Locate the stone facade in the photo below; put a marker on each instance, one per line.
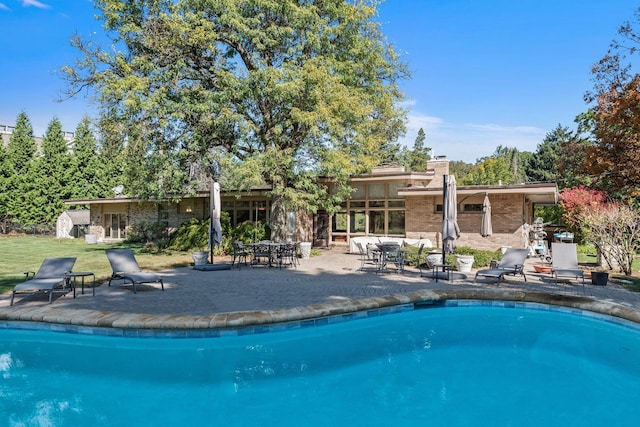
(417, 195)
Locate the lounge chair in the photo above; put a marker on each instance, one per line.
(125, 267)
(52, 274)
(564, 261)
(512, 263)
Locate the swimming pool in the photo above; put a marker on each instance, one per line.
(473, 365)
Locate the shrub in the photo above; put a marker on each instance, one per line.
(191, 235)
(481, 258)
(152, 234)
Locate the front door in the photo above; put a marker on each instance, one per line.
(321, 229)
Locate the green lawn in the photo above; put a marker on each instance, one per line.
(20, 254)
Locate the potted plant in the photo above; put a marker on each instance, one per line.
(200, 257)
(599, 278)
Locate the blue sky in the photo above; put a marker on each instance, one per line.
(484, 72)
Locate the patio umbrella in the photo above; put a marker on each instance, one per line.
(215, 229)
(486, 229)
(450, 229)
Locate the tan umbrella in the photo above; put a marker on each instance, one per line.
(215, 229)
(450, 229)
(486, 229)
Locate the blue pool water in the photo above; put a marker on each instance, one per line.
(477, 365)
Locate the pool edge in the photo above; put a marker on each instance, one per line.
(260, 320)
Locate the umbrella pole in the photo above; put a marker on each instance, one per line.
(211, 195)
(445, 184)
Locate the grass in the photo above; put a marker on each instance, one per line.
(588, 258)
(21, 254)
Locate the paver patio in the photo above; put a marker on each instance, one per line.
(326, 284)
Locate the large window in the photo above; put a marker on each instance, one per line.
(374, 208)
(395, 223)
(246, 210)
(339, 222)
(357, 221)
(115, 225)
(376, 222)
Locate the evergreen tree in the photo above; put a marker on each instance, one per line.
(110, 164)
(543, 166)
(419, 156)
(86, 164)
(20, 152)
(6, 172)
(22, 145)
(52, 184)
(392, 153)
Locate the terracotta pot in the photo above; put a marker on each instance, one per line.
(541, 268)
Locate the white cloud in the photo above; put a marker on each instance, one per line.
(35, 3)
(4, 7)
(469, 141)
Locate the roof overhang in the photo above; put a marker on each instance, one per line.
(395, 176)
(539, 193)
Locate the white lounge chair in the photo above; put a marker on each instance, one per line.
(125, 267)
(52, 274)
(512, 263)
(564, 261)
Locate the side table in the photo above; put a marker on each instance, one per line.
(82, 275)
(446, 268)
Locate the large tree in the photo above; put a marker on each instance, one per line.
(86, 163)
(52, 182)
(6, 172)
(616, 113)
(280, 92)
(543, 166)
(21, 152)
(420, 154)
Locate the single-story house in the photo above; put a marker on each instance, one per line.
(72, 223)
(387, 203)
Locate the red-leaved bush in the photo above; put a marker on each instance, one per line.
(579, 200)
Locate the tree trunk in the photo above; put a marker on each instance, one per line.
(278, 220)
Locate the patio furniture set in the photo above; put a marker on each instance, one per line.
(266, 253)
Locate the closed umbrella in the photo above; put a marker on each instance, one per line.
(215, 229)
(486, 229)
(450, 229)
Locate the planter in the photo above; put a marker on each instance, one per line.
(200, 258)
(305, 250)
(464, 263)
(541, 268)
(434, 258)
(599, 278)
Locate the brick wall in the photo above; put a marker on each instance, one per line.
(422, 221)
(441, 168)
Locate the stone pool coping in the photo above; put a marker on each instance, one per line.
(262, 321)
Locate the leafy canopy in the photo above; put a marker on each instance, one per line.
(615, 115)
(275, 92)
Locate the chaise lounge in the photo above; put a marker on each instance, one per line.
(125, 267)
(564, 260)
(52, 274)
(512, 263)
